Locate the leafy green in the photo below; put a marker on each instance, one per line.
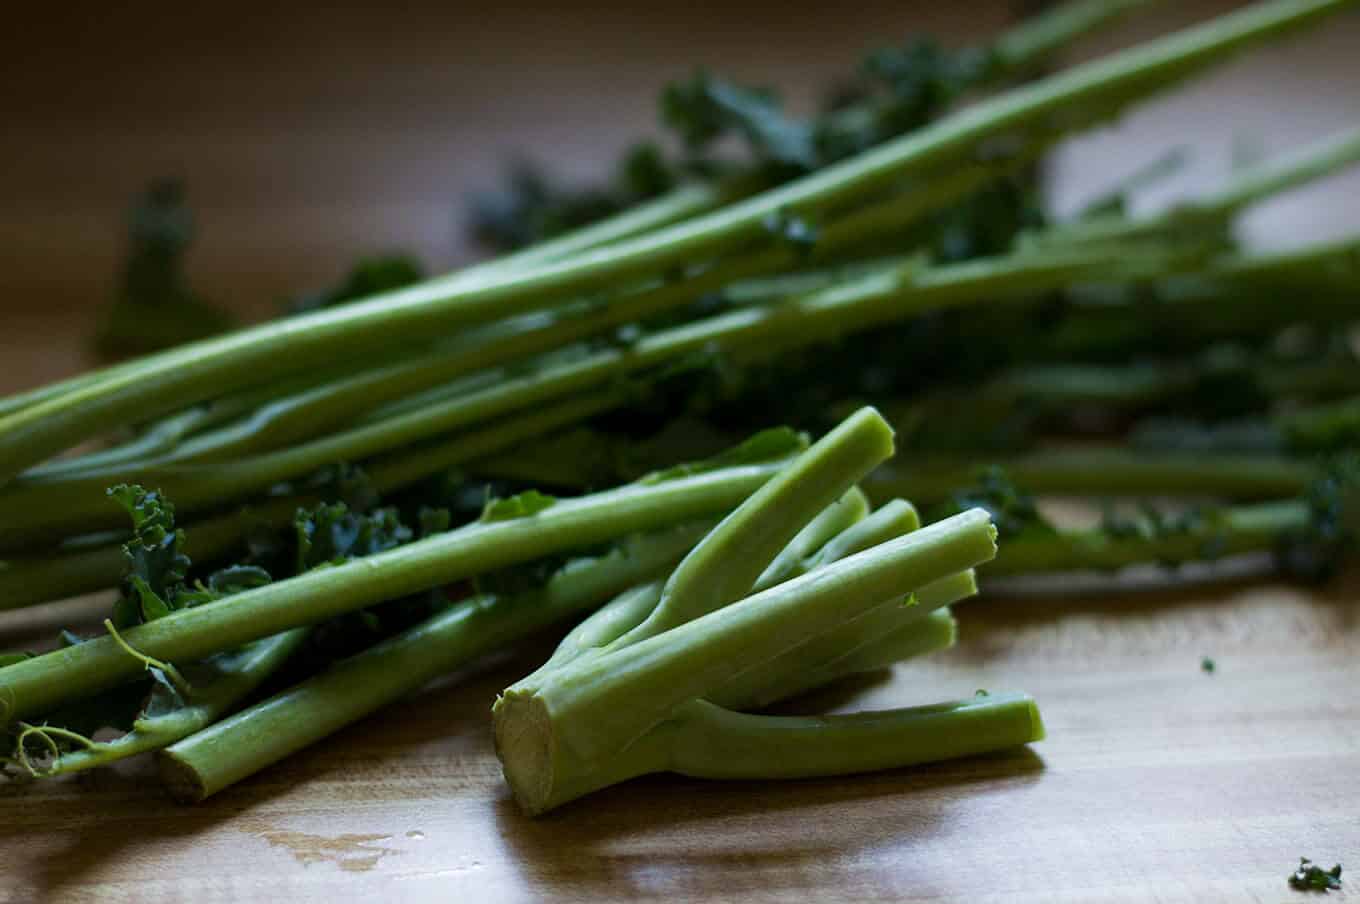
(1013, 511)
(1316, 551)
(157, 567)
(331, 533)
(155, 307)
(1311, 877)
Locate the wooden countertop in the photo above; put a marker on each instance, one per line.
(308, 137)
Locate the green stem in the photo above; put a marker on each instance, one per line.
(1250, 186)
(707, 741)
(727, 563)
(43, 682)
(257, 355)
(1101, 472)
(835, 653)
(83, 506)
(32, 510)
(241, 745)
(234, 676)
(1233, 531)
(1036, 39)
(588, 712)
(714, 743)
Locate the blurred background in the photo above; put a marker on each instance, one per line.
(309, 135)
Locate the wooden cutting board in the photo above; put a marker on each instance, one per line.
(1158, 781)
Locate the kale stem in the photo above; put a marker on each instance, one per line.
(715, 743)
(210, 760)
(79, 503)
(1039, 37)
(600, 705)
(1233, 531)
(733, 556)
(254, 356)
(42, 682)
(26, 580)
(1102, 471)
(233, 679)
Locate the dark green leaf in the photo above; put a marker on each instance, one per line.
(1311, 877)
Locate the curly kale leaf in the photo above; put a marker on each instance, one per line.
(156, 565)
(331, 533)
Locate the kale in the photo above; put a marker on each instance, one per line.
(1316, 552)
(1311, 877)
(1013, 511)
(157, 568)
(155, 307)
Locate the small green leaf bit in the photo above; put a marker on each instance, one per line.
(1311, 877)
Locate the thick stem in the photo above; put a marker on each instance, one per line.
(715, 743)
(586, 713)
(707, 741)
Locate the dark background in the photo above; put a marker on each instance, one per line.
(309, 135)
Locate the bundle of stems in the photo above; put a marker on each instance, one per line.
(1099, 356)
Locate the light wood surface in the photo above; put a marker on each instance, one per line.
(309, 137)
(1157, 782)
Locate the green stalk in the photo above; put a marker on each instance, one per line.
(39, 684)
(257, 355)
(937, 631)
(32, 510)
(1111, 471)
(794, 559)
(1039, 37)
(231, 678)
(714, 743)
(707, 741)
(1233, 531)
(606, 628)
(837, 652)
(1248, 187)
(734, 555)
(230, 750)
(587, 712)
(35, 578)
(199, 487)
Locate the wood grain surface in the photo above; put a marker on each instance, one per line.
(309, 135)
